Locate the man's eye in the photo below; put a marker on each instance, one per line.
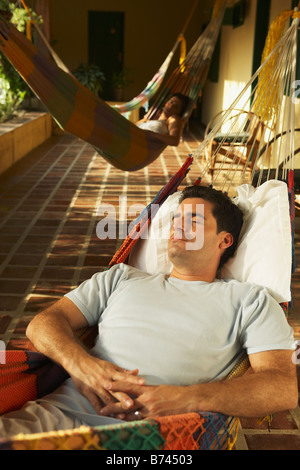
(197, 221)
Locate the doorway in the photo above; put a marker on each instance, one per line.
(106, 45)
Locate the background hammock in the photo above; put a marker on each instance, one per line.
(81, 113)
(152, 86)
(254, 139)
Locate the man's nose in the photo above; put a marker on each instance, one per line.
(178, 232)
(178, 227)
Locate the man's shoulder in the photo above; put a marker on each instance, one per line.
(244, 288)
(235, 283)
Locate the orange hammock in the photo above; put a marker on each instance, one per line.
(81, 113)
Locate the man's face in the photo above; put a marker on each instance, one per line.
(193, 236)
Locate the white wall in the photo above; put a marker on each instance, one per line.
(277, 6)
(235, 67)
(236, 55)
(151, 29)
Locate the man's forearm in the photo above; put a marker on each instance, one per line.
(52, 333)
(252, 395)
(167, 139)
(263, 391)
(53, 336)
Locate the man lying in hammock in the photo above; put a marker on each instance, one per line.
(169, 126)
(166, 343)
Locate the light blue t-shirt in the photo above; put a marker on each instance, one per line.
(179, 332)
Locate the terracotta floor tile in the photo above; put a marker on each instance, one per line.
(8, 286)
(282, 420)
(39, 303)
(26, 259)
(88, 272)
(99, 260)
(61, 260)
(33, 248)
(57, 273)
(9, 302)
(71, 229)
(74, 248)
(4, 323)
(7, 239)
(20, 344)
(52, 287)
(17, 272)
(273, 442)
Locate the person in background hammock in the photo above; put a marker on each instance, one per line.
(168, 128)
(166, 344)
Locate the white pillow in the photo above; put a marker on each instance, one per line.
(264, 252)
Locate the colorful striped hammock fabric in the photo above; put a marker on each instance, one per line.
(81, 113)
(75, 108)
(28, 375)
(153, 85)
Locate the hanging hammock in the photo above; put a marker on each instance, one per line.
(29, 375)
(254, 139)
(81, 113)
(193, 430)
(152, 86)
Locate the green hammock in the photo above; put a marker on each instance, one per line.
(81, 113)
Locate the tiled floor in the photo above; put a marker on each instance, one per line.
(48, 241)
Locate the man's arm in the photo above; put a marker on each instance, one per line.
(52, 333)
(271, 387)
(175, 125)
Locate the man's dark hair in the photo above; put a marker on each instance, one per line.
(228, 215)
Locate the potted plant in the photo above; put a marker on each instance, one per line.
(91, 77)
(13, 87)
(18, 16)
(119, 81)
(5, 10)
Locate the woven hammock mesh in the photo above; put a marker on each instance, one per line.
(193, 432)
(256, 134)
(189, 77)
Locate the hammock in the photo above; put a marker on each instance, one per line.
(152, 86)
(192, 431)
(28, 375)
(81, 113)
(188, 431)
(254, 139)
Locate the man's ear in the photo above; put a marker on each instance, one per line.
(226, 241)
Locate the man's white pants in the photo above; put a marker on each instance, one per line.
(63, 409)
(35, 418)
